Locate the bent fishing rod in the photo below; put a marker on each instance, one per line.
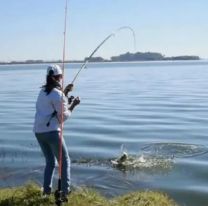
(100, 45)
(59, 192)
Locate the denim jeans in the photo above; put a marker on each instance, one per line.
(49, 143)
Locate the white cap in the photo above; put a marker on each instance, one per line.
(54, 70)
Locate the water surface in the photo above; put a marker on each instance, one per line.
(155, 109)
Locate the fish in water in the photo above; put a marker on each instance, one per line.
(121, 160)
(128, 162)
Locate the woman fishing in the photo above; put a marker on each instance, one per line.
(52, 107)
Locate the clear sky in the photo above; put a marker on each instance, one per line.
(33, 29)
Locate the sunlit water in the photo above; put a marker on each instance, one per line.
(157, 112)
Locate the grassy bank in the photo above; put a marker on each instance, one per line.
(30, 195)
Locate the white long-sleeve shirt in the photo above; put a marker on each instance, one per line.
(45, 106)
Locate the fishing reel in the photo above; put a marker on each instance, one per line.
(58, 197)
(70, 99)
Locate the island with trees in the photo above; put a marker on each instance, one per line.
(127, 57)
(143, 56)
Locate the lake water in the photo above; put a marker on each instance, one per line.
(154, 110)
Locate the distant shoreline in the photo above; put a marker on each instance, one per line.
(127, 57)
(110, 62)
(81, 62)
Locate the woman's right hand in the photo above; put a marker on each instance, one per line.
(75, 102)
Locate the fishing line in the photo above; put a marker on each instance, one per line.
(100, 45)
(133, 33)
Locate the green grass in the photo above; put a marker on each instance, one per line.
(30, 195)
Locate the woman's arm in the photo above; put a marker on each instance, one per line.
(60, 104)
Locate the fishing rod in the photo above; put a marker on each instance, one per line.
(98, 47)
(59, 193)
(132, 31)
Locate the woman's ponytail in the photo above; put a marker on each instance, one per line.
(51, 83)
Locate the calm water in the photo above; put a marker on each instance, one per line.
(155, 110)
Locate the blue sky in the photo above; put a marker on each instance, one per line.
(33, 29)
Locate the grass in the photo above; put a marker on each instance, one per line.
(30, 195)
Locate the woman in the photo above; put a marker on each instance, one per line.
(50, 104)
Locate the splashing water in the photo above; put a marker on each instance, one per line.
(142, 162)
(176, 150)
(126, 162)
(159, 156)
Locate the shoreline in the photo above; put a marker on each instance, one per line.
(108, 62)
(30, 194)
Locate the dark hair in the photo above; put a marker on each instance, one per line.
(51, 83)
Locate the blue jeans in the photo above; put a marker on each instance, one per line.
(49, 143)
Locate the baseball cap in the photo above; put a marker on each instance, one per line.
(54, 70)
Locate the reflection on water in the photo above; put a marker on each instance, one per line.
(158, 110)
